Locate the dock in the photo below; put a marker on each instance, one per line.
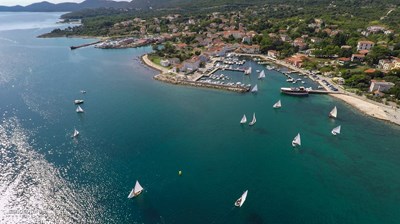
(85, 45)
(322, 92)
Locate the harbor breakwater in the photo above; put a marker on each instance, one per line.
(173, 80)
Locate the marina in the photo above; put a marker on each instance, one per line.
(229, 73)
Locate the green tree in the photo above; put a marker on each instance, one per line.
(377, 53)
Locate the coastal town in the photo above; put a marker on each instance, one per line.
(206, 111)
(187, 50)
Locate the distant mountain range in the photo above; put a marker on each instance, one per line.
(67, 6)
(146, 4)
(142, 4)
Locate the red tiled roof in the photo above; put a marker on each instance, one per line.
(371, 70)
(363, 52)
(344, 59)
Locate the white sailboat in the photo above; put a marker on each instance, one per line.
(244, 119)
(136, 190)
(78, 101)
(248, 71)
(336, 130)
(261, 75)
(333, 113)
(277, 104)
(79, 109)
(254, 120)
(241, 200)
(296, 141)
(76, 133)
(254, 89)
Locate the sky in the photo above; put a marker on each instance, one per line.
(28, 2)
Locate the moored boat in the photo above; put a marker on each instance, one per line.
(248, 71)
(301, 91)
(78, 101)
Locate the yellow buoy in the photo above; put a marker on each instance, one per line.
(180, 173)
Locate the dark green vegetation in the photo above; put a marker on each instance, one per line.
(337, 24)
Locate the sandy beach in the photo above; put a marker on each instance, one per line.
(373, 109)
(149, 63)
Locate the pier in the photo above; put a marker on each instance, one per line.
(85, 45)
(322, 92)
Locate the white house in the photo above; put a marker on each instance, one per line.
(380, 85)
(365, 45)
(165, 62)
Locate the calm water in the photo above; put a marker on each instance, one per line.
(137, 128)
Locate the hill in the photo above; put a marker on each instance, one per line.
(66, 7)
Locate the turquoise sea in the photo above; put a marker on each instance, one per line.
(135, 128)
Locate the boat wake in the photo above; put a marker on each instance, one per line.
(32, 190)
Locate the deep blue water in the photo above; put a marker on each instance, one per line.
(137, 128)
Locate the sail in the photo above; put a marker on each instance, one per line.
(241, 200)
(136, 190)
(336, 130)
(244, 119)
(138, 187)
(247, 71)
(333, 113)
(296, 140)
(262, 75)
(254, 89)
(278, 104)
(76, 133)
(79, 109)
(254, 119)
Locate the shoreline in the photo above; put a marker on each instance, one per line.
(176, 79)
(372, 109)
(367, 107)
